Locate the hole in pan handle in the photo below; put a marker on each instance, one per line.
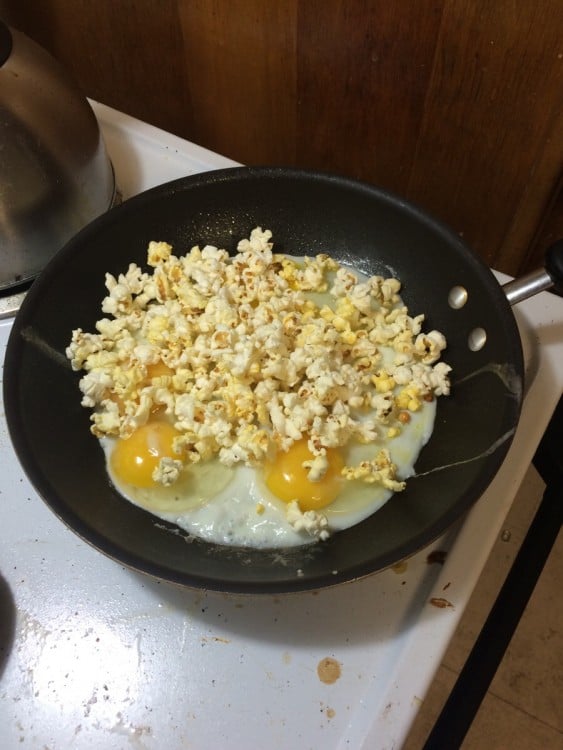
(550, 277)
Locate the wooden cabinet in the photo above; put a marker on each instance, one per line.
(454, 104)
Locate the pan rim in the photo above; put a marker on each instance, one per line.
(88, 534)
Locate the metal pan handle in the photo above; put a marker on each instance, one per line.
(550, 277)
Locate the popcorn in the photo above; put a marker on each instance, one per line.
(429, 346)
(380, 470)
(317, 468)
(255, 361)
(167, 471)
(94, 386)
(310, 521)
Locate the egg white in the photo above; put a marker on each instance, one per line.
(358, 499)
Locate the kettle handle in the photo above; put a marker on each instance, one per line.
(5, 43)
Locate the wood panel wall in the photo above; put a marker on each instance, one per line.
(454, 104)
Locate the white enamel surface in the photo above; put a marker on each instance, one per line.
(97, 656)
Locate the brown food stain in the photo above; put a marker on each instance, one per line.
(438, 601)
(437, 556)
(400, 567)
(328, 711)
(329, 670)
(215, 638)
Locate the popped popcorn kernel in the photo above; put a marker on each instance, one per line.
(383, 382)
(409, 398)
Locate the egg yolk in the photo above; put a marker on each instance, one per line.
(287, 478)
(134, 459)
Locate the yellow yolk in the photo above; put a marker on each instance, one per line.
(287, 478)
(135, 458)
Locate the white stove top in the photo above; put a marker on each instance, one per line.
(93, 655)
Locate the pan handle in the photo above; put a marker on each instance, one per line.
(550, 277)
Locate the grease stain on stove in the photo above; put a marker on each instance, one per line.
(205, 639)
(329, 670)
(134, 734)
(440, 602)
(400, 567)
(436, 556)
(387, 711)
(328, 711)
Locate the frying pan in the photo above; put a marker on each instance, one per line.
(308, 212)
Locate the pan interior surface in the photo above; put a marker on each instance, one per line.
(308, 213)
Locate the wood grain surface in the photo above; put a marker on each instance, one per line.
(453, 104)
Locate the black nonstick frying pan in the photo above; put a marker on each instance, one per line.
(308, 213)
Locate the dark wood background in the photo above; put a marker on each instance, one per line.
(454, 104)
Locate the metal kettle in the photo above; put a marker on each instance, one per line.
(55, 173)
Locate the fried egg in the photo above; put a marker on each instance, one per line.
(247, 506)
(258, 400)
